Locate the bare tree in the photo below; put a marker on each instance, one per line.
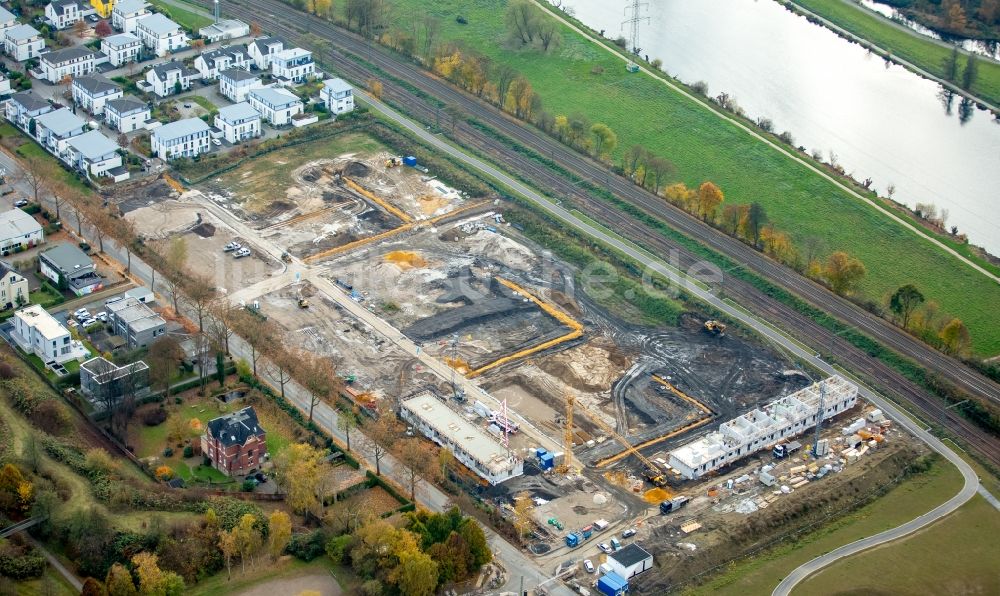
(280, 365)
(380, 436)
(419, 460)
(347, 420)
(221, 313)
(202, 356)
(259, 334)
(163, 358)
(37, 171)
(199, 294)
(318, 375)
(504, 76)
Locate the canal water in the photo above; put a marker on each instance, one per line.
(879, 120)
(983, 47)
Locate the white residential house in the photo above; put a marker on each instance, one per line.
(338, 96)
(4, 85)
(70, 62)
(210, 64)
(236, 84)
(7, 20)
(93, 92)
(95, 155)
(18, 229)
(275, 105)
(24, 107)
(183, 138)
(62, 14)
(54, 129)
(263, 49)
(122, 48)
(294, 64)
(13, 287)
(238, 122)
(126, 114)
(23, 42)
(160, 35)
(37, 332)
(224, 29)
(127, 13)
(163, 78)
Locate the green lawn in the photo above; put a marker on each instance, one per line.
(957, 555)
(204, 102)
(917, 495)
(183, 17)
(910, 46)
(642, 110)
(284, 569)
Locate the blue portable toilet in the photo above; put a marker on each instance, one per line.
(409, 160)
(612, 584)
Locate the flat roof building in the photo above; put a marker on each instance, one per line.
(473, 446)
(630, 560)
(784, 417)
(136, 322)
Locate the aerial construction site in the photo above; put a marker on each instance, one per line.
(436, 305)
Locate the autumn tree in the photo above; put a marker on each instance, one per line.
(416, 455)
(279, 533)
(605, 139)
(153, 580)
(904, 301)
(709, 198)
(954, 15)
(119, 581)
(163, 359)
(93, 587)
(318, 375)
(248, 539)
(80, 27)
(503, 76)
(380, 436)
(375, 88)
(301, 472)
(417, 573)
(954, 336)
(259, 335)
(756, 218)
(843, 272)
(228, 548)
(347, 420)
(102, 29)
(255, 29)
(199, 292)
(522, 513)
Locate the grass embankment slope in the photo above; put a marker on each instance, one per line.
(184, 17)
(911, 498)
(642, 110)
(957, 555)
(908, 45)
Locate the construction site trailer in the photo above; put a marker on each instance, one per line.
(474, 447)
(630, 561)
(612, 584)
(782, 418)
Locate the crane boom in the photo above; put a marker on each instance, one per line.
(652, 471)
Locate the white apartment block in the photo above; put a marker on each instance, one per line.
(93, 92)
(23, 42)
(236, 84)
(18, 229)
(127, 13)
(95, 155)
(37, 332)
(183, 138)
(70, 62)
(54, 129)
(7, 20)
(13, 287)
(294, 64)
(25, 106)
(4, 85)
(238, 122)
(62, 14)
(785, 417)
(210, 64)
(160, 35)
(337, 95)
(164, 78)
(263, 49)
(126, 114)
(275, 105)
(122, 48)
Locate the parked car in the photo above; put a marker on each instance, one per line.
(71, 323)
(232, 246)
(243, 252)
(187, 104)
(604, 547)
(588, 565)
(628, 533)
(260, 477)
(103, 317)
(21, 203)
(87, 322)
(81, 313)
(217, 142)
(93, 18)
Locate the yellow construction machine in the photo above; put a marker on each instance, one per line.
(715, 327)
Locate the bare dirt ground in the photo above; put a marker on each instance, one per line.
(323, 584)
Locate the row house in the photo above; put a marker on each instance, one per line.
(93, 92)
(295, 65)
(13, 287)
(127, 13)
(338, 96)
(24, 107)
(54, 129)
(238, 122)
(236, 84)
(95, 155)
(183, 138)
(169, 78)
(7, 20)
(126, 114)
(23, 42)
(160, 35)
(210, 64)
(63, 14)
(275, 105)
(263, 49)
(70, 62)
(122, 48)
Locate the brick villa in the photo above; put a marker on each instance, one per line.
(234, 443)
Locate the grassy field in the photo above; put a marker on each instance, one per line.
(644, 111)
(267, 178)
(185, 18)
(760, 574)
(286, 569)
(910, 46)
(957, 555)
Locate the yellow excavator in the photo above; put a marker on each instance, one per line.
(715, 327)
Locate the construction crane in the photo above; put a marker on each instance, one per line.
(567, 437)
(651, 471)
(819, 416)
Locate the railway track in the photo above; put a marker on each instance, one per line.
(290, 24)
